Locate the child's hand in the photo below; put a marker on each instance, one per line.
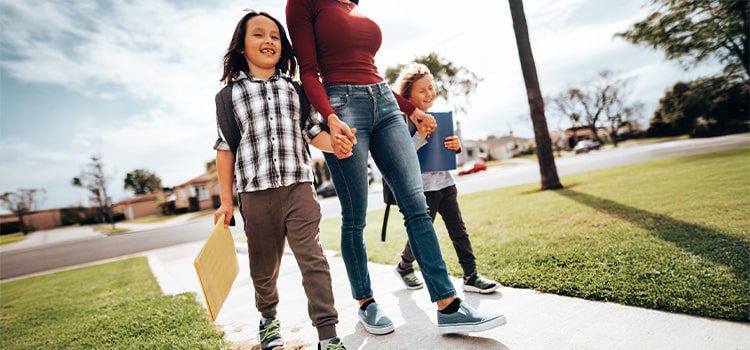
(344, 145)
(338, 127)
(227, 210)
(452, 143)
(424, 122)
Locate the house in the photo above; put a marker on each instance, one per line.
(141, 205)
(471, 150)
(495, 148)
(48, 219)
(197, 194)
(35, 220)
(508, 146)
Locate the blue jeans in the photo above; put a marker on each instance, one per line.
(381, 130)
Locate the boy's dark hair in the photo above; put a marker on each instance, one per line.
(234, 60)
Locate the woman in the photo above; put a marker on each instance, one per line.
(335, 42)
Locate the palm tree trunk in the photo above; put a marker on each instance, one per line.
(546, 159)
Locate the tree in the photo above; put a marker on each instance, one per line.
(702, 107)
(597, 102)
(453, 83)
(211, 165)
(142, 181)
(95, 181)
(692, 31)
(23, 202)
(545, 157)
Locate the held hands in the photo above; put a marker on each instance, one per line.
(424, 122)
(342, 137)
(452, 143)
(227, 210)
(342, 145)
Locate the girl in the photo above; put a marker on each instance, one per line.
(335, 42)
(274, 179)
(416, 85)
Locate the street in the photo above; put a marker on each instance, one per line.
(57, 255)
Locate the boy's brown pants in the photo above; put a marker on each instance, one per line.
(293, 213)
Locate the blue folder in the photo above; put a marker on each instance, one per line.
(434, 156)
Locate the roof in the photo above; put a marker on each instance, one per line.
(207, 177)
(140, 198)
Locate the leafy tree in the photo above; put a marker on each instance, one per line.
(692, 31)
(22, 202)
(211, 165)
(453, 83)
(703, 107)
(546, 159)
(142, 181)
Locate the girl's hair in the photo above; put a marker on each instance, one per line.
(408, 76)
(235, 62)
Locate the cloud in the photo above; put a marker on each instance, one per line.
(166, 56)
(163, 55)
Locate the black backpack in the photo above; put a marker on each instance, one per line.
(228, 121)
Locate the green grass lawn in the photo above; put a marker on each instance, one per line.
(111, 306)
(12, 238)
(671, 235)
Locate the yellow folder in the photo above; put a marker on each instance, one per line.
(217, 267)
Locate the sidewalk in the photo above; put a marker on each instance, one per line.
(535, 320)
(45, 237)
(74, 233)
(181, 219)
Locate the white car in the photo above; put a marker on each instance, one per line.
(585, 146)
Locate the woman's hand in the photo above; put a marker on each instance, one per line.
(339, 128)
(343, 145)
(424, 122)
(226, 209)
(452, 143)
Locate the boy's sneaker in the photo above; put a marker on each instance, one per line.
(269, 335)
(479, 284)
(335, 344)
(374, 320)
(409, 277)
(467, 319)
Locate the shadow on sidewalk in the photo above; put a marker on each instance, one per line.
(712, 244)
(419, 332)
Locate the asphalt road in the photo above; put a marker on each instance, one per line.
(37, 259)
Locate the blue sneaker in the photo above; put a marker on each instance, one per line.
(467, 319)
(374, 320)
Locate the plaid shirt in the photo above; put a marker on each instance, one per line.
(272, 152)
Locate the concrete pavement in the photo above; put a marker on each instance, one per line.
(51, 237)
(535, 320)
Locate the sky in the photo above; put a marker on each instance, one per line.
(134, 81)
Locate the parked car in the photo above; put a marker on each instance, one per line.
(472, 167)
(326, 189)
(585, 146)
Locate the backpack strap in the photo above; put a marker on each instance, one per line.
(304, 104)
(228, 123)
(305, 108)
(226, 118)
